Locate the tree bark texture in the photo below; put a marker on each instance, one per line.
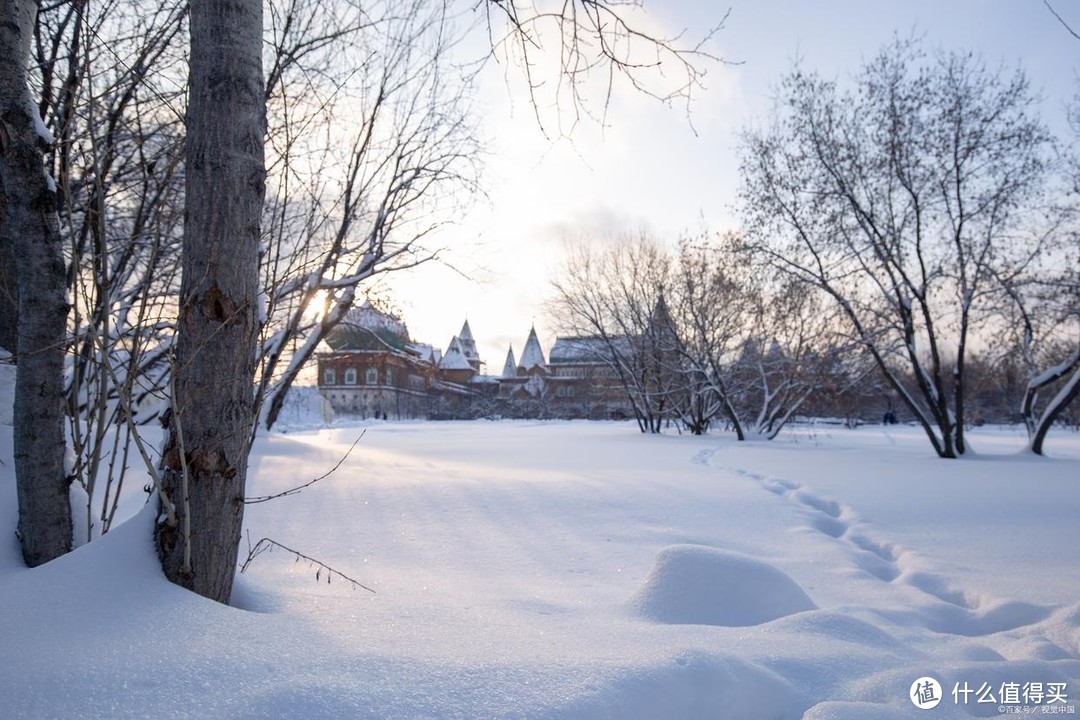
(30, 222)
(9, 309)
(205, 460)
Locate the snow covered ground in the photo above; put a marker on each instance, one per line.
(581, 570)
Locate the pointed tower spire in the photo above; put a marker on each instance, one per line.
(468, 346)
(510, 367)
(454, 358)
(532, 356)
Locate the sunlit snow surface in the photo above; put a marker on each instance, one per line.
(577, 570)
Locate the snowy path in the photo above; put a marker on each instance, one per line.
(576, 570)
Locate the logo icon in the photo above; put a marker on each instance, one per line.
(925, 693)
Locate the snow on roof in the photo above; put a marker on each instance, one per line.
(532, 356)
(510, 367)
(370, 317)
(468, 344)
(426, 352)
(454, 358)
(577, 349)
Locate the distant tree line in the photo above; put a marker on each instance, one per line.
(700, 339)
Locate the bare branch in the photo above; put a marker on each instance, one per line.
(267, 545)
(296, 490)
(598, 38)
(1060, 19)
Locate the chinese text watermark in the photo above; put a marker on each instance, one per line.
(1011, 698)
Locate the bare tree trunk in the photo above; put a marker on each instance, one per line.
(1039, 424)
(31, 222)
(213, 395)
(1062, 400)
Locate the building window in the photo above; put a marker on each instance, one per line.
(350, 376)
(389, 376)
(371, 377)
(329, 376)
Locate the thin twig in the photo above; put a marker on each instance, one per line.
(266, 545)
(298, 488)
(151, 468)
(1060, 19)
(185, 473)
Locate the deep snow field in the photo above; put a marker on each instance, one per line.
(580, 570)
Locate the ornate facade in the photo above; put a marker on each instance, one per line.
(373, 369)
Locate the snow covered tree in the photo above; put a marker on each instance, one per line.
(753, 344)
(1041, 311)
(784, 356)
(902, 200)
(615, 293)
(1046, 301)
(697, 335)
(31, 232)
(711, 309)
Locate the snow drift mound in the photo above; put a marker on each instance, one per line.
(693, 685)
(698, 585)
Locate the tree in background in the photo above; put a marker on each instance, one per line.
(1042, 313)
(698, 334)
(755, 344)
(711, 307)
(788, 339)
(903, 200)
(614, 291)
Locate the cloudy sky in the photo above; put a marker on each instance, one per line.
(651, 167)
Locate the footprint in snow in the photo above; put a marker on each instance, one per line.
(962, 613)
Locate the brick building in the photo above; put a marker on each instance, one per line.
(373, 369)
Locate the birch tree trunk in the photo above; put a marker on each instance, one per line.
(31, 224)
(205, 460)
